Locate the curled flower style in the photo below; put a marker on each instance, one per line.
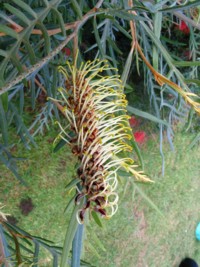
(97, 131)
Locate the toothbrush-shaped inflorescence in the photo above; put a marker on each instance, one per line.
(95, 108)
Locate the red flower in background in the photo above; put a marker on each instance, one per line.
(133, 122)
(66, 51)
(183, 27)
(140, 137)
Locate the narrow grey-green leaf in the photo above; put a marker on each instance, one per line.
(26, 7)
(121, 29)
(73, 224)
(77, 8)
(3, 123)
(70, 204)
(186, 63)
(77, 246)
(17, 13)
(146, 115)
(97, 219)
(46, 37)
(3, 53)
(113, 44)
(196, 81)
(127, 67)
(8, 31)
(60, 20)
(35, 255)
(72, 184)
(181, 7)
(97, 37)
(30, 51)
(4, 98)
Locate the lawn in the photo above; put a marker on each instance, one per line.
(138, 235)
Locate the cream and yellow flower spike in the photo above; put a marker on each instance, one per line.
(95, 108)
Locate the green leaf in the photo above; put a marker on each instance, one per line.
(186, 63)
(17, 13)
(127, 67)
(97, 37)
(73, 224)
(59, 145)
(157, 26)
(46, 37)
(70, 204)
(77, 8)
(60, 20)
(181, 7)
(72, 184)
(113, 44)
(4, 98)
(194, 141)
(124, 14)
(97, 219)
(196, 81)
(146, 115)
(35, 255)
(8, 31)
(3, 122)
(26, 7)
(30, 51)
(121, 29)
(3, 53)
(77, 246)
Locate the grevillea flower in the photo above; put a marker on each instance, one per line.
(97, 130)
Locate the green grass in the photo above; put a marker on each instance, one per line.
(137, 235)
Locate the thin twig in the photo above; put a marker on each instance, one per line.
(17, 28)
